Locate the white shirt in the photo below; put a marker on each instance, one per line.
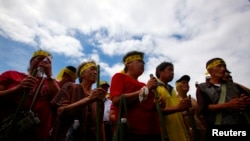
(107, 105)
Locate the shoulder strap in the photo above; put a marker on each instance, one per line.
(36, 93)
(221, 100)
(169, 88)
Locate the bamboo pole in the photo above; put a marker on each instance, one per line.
(98, 116)
(162, 120)
(190, 117)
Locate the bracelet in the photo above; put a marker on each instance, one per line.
(143, 94)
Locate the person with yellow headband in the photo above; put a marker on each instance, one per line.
(193, 120)
(174, 107)
(76, 106)
(14, 84)
(142, 115)
(220, 102)
(67, 74)
(108, 125)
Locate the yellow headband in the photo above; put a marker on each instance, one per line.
(41, 52)
(133, 58)
(65, 70)
(86, 66)
(215, 63)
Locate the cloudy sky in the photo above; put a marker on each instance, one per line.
(184, 32)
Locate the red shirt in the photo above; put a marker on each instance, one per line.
(41, 107)
(142, 117)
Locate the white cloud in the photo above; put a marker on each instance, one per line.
(188, 33)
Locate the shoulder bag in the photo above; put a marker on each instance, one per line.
(17, 125)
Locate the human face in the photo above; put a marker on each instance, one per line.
(90, 74)
(136, 67)
(34, 62)
(105, 87)
(167, 74)
(184, 85)
(68, 77)
(218, 71)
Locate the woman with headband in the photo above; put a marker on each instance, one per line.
(76, 106)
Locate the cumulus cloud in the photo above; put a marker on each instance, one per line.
(186, 33)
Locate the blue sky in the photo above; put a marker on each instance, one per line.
(184, 32)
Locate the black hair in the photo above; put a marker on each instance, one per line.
(72, 68)
(162, 66)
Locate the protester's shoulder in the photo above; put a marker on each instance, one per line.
(242, 88)
(118, 75)
(68, 85)
(203, 85)
(12, 72)
(64, 92)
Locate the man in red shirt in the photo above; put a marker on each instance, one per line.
(142, 114)
(14, 84)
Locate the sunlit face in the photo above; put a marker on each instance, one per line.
(90, 74)
(184, 85)
(136, 66)
(167, 74)
(218, 71)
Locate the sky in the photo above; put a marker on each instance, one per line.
(185, 32)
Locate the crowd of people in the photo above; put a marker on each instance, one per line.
(70, 111)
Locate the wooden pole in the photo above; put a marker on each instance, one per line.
(159, 110)
(98, 116)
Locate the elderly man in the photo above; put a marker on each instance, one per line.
(193, 120)
(222, 103)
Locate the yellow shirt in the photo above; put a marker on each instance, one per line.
(174, 122)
